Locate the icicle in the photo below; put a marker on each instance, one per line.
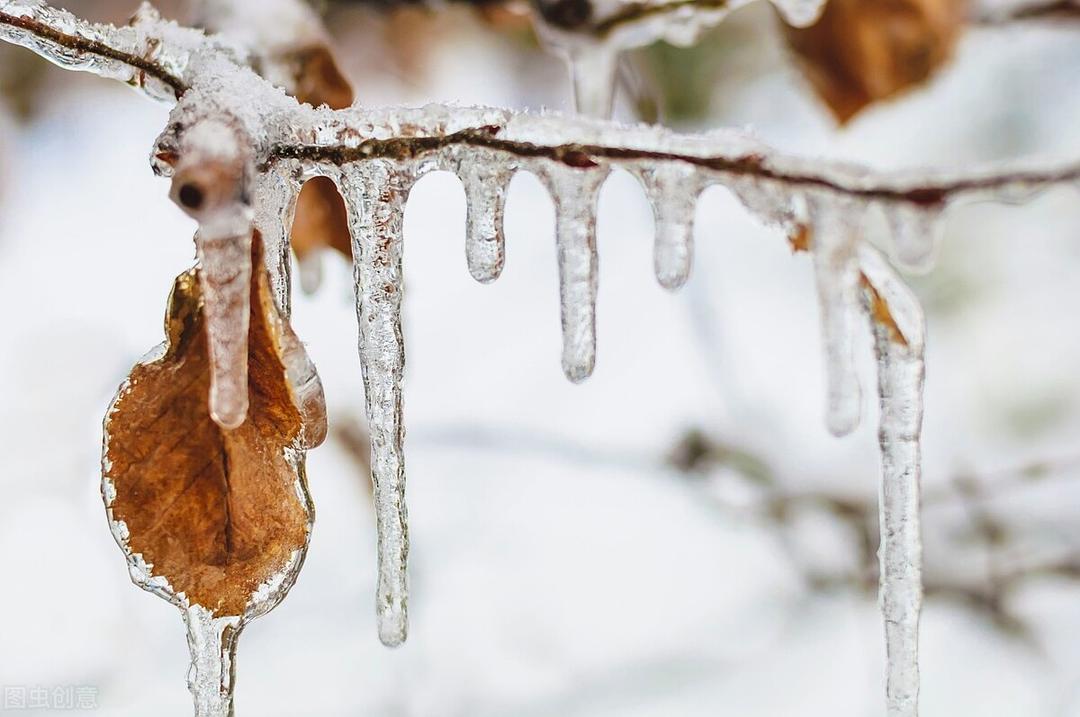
(486, 177)
(275, 203)
(592, 72)
(208, 157)
(835, 236)
(575, 193)
(800, 13)
(899, 342)
(212, 642)
(916, 234)
(225, 278)
(375, 193)
(673, 190)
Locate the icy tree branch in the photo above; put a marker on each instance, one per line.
(238, 149)
(152, 49)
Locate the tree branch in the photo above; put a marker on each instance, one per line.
(95, 48)
(1046, 10)
(929, 190)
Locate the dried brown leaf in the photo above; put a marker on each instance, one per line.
(215, 512)
(863, 51)
(319, 80)
(320, 220)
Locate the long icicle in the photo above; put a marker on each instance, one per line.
(375, 194)
(899, 341)
(212, 642)
(575, 192)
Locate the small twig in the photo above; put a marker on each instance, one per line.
(99, 49)
(1049, 10)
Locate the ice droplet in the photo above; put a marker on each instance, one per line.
(225, 279)
(835, 237)
(592, 72)
(673, 190)
(800, 13)
(212, 642)
(375, 193)
(486, 178)
(575, 192)
(916, 234)
(275, 203)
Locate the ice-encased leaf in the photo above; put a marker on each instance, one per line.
(215, 521)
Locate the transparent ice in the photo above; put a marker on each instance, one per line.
(374, 154)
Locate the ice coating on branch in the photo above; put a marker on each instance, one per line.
(899, 349)
(212, 642)
(575, 192)
(486, 177)
(835, 231)
(375, 193)
(673, 190)
(916, 234)
(163, 48)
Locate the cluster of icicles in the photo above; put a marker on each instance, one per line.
(225, 112)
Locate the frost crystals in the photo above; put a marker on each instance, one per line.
(375, 193)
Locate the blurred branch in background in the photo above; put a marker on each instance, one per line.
(831, 538)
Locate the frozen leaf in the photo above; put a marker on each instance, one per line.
(215, 521)
(212, 514)
(863, 51)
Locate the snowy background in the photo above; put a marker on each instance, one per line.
(679, 535)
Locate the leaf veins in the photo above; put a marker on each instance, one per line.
(215, 512)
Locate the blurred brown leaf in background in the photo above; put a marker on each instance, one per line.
(863, 51)
(321, 220)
